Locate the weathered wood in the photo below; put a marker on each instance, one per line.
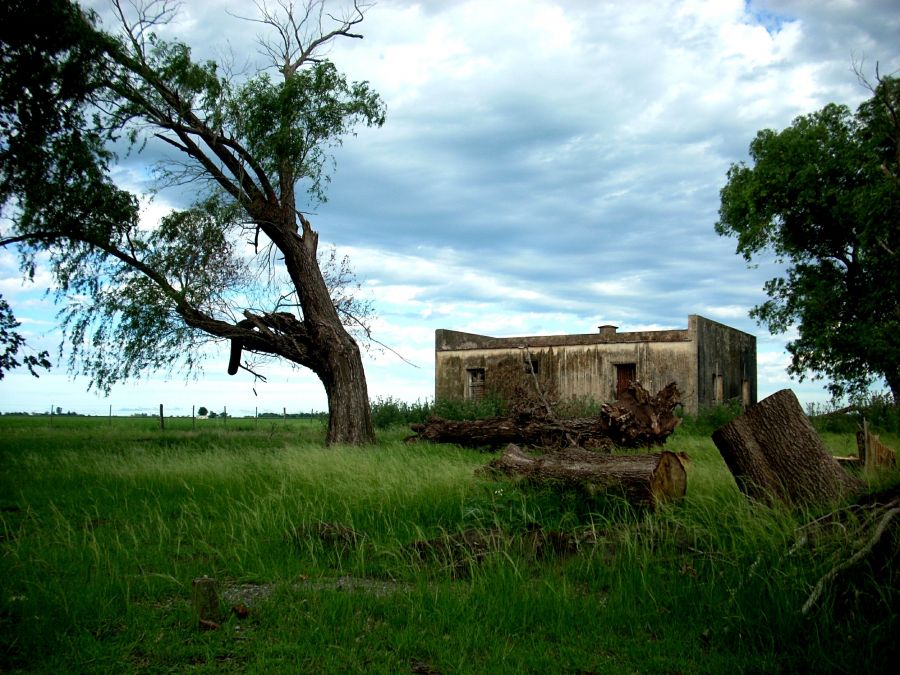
(873, 453)
(205, 603)
(775, 454)
(643, 480)
(637, 419)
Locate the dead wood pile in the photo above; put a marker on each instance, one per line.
(637, 419)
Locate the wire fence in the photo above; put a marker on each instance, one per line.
(161, 414)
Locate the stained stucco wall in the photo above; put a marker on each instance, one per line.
(574, 369)
(723, 350)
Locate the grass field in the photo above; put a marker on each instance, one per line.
(103, 527)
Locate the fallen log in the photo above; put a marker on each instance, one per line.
(643, 480)
(775, 455)
(638, 419)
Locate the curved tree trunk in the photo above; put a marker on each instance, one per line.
(335, 356)
(776, 455)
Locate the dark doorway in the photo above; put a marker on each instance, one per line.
(626, 373)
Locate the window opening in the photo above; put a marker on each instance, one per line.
(476, 383)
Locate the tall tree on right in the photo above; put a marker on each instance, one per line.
(823, 195)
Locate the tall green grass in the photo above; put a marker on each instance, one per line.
(103, 528)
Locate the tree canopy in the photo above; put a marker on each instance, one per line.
(823, 195)
(241, 263)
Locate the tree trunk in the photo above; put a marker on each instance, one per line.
(775, 455)
(349, 413)
(336, 358)
(637, 419)
(643, 480)
(893, 382)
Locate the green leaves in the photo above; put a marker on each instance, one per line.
(821, 196)
(11, 341)
(289, 125)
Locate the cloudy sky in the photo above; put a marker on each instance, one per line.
(547, 166)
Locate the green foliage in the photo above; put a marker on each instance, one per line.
(823, 195)
(11, 341)
(709, 418)
(877, 409)
(470, 409)
(296, 120)
(388, 411)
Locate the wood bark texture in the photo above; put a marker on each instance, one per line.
(775, 455)
(643, 480)
(637, 419)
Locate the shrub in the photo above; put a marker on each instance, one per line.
(388, 411)
(878, 409)
(710, 418)
(468, 409)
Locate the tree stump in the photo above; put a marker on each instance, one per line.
(775, 455)
(643, 480)
(205, 603)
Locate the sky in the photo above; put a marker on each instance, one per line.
(546, 167)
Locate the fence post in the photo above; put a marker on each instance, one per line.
(162, 420)
(110, 415)
(194, 418)
(224, 415)
(284, 416)
(256, 417)
(51, 414)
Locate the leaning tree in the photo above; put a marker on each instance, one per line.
(242, 262)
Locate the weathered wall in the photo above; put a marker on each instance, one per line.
(567, 367)
(725, 351)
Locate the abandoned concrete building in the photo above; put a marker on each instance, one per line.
(710, 362)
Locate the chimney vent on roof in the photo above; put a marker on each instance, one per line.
(608, 330)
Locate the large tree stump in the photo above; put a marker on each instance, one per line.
(775, 454)
(643, 480)
(637, 419)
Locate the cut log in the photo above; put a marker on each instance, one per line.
(775, 455)
(638, 419)
(643, 480)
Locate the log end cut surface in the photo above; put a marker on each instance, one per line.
(669, 479)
